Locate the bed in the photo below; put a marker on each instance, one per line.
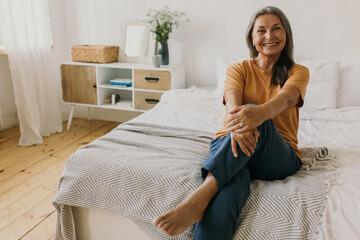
(113, 187)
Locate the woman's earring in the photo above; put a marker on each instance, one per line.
(253, 44)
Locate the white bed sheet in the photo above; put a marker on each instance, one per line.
(337, 129)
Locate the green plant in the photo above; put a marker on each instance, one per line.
(162, 22)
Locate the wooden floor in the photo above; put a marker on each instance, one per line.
(29, 177)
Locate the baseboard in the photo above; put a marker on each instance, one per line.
(10, 120)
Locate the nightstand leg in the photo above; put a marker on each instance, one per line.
(70, 117)
(89, 113)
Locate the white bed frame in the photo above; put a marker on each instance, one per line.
(93, 224)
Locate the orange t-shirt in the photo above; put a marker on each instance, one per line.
(257, 89)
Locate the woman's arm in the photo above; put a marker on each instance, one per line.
(253, 116)
(233, 98)
(247, 141)
(287, 97)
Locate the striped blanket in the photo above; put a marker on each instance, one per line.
(142, 170)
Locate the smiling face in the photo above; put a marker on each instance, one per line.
(269, 35)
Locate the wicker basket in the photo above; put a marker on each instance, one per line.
(94, 53)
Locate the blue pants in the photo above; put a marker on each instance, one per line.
(273, 159)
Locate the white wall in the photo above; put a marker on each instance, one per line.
(322, 29)
(325, 29)
(59, 38)
(1, 38)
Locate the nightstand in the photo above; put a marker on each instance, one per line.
(93, 84)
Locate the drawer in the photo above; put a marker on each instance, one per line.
(146, 100)
(154, 80)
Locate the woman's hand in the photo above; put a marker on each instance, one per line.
(244, 118)
(247, 141)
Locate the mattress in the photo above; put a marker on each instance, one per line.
(339, 130)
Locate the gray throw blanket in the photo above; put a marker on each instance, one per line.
(142, 170)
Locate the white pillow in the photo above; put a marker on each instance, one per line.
(222, 64)
(349, 85)
(323, 84)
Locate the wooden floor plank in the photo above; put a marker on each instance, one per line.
(45, 230)
(26, 156)
(11, 134)
(28, 220)
(28, 201)
(24, 182)
(51, 159)
(26, 211)
(29, 176)
(10, 149)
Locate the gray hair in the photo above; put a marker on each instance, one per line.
(289, 46)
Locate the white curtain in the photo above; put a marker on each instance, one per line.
(25, 26)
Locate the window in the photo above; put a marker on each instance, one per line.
(2, 42)
(3, 46)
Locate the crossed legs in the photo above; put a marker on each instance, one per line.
(217, 203)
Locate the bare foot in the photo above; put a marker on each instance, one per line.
(190, 211)
(179, 219)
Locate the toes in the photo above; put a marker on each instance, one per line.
(171, 231)
(161, 225)
(167, 223)
(165, 227)
(158, 220)
(155, 221)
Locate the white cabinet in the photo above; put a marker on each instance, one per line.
(88, 84)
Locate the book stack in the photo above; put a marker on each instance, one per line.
(121, 82)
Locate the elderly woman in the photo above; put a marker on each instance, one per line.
(259, 138)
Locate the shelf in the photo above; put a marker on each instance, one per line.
(88, 84)
(122, 105)
(117, 87)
